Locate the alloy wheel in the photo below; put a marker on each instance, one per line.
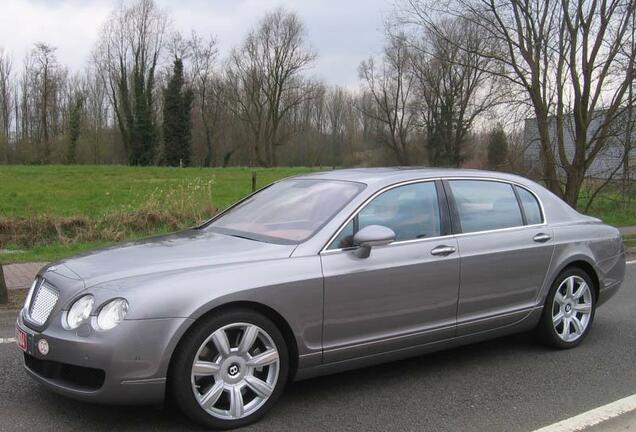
(235, 371)
(572, 308)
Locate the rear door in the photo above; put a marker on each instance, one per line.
(505, 249)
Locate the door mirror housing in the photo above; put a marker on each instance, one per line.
(371, 236)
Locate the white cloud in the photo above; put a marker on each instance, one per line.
(344, 32)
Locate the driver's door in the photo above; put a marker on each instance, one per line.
(403, 294)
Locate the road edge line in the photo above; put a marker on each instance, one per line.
(593, 417)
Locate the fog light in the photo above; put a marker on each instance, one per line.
(43, 347)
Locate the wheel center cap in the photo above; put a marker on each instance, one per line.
(233, 370)
(568, 308)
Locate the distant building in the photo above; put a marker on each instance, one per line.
(606, 161)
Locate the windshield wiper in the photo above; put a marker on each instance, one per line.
(242, 236)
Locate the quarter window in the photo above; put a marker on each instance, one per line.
(485, 205)
(411, 211)
(530, 205)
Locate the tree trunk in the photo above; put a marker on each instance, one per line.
(548, 159)
(573, 185)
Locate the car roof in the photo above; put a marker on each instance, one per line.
(389, 175)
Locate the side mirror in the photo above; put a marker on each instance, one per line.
(370, 236)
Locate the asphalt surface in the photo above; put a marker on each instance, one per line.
(509, 384)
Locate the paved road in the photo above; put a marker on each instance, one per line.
(509, 384)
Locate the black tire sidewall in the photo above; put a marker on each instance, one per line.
(547, 332)
(179, 380)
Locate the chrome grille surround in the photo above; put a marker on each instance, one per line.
(43, 301)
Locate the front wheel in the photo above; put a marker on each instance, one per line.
(230, 369)
(569, 310)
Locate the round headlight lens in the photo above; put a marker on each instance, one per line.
(112, 314)
(80, 311)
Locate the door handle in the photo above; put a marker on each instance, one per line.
(443, 250)
(541, 238)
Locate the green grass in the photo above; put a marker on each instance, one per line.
(611, 208)
(85, 190)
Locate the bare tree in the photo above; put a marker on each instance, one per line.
(564, 55)
(127, 56)
(208, 90)
(266, 78)
(391, 86)
(248, 101)
(336, 105)
(96, 107)
(6, 104)
(44, 71)
(453, 86)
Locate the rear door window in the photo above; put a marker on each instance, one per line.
(530, 205)
(484, 205)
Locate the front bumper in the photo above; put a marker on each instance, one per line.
(125, 365)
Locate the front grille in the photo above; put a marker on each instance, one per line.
(44, 299)
(80, 377)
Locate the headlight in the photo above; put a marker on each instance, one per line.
(112, 314)
(80, 311)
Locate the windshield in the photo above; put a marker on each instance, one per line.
(289, 212)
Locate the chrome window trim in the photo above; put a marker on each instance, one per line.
(325, 251)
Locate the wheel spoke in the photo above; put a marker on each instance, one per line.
(212, 396)
(584, 308)
(569, 286)
(204, 368)
(558, 318)
(579, 292)
(578, 326)
(236, 402)
(566, 329)
(266, 358)
(221, 343)
(261, 388)
(558, 297)
(249, 337)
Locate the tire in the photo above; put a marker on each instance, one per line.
(236, 380)
(572, 308)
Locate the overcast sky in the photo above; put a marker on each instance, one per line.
(343, 32)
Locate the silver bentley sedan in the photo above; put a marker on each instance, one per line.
(317, 274)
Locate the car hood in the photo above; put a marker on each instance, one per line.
(183, 250)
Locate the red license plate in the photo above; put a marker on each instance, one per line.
(21, 339)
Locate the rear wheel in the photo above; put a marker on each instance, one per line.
(569, 310)
(230, 369)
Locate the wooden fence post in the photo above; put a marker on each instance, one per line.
(253, 181)
(4, 293)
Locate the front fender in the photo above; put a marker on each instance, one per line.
(292, 287)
